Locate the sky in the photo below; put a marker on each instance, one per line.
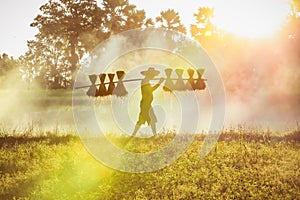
(16, 16)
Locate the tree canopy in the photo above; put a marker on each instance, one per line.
(70, 29)
(170, 19)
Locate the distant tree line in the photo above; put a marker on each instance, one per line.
(7, 64)
(8, 67)
(70, 29)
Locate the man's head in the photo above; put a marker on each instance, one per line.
(150, 73)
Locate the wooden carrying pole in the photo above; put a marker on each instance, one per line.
(117, 87)
(134, 79)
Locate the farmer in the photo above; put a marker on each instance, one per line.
(146, 110)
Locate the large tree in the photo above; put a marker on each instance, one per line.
(204, 30)
(6, 64)
(116, 16)
(170, 19)
(120, 15)
(292, 28)
(10, 74)
(45, 63)
(70, 28)
(9, 69)
(68, 19)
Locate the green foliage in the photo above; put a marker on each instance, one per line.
(170, 19)
(8, 66)
(69, 29)
(204, 30)
(119, 16)
(265, 166)
(45, 63)
(60, 24)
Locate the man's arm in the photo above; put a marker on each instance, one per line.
(158, 84)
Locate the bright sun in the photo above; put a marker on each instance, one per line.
(251, 19)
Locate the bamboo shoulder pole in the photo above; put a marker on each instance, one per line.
(132, 80)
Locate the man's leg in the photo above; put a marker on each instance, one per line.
(153, 120)
(153, 127)
(137, 127)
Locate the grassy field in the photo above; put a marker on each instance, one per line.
(243, 165)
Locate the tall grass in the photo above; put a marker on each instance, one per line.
(243, 165)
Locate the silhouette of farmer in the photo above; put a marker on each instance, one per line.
(146, 110)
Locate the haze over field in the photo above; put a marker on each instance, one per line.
(260, 71)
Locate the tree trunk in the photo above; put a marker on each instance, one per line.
(74, 58)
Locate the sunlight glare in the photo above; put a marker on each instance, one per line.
(251, 19)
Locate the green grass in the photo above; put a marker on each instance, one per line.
(241, 166)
